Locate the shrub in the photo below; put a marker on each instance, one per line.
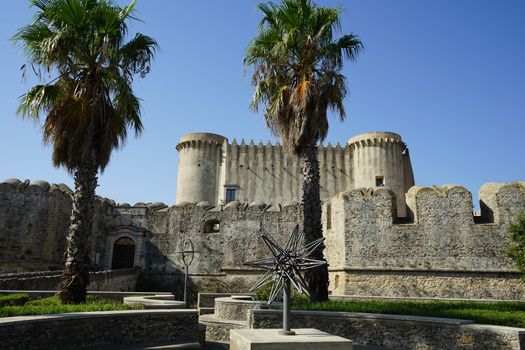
(13, 299)
(506, 313)
(263, 294)
(52, 305)
(517, 236)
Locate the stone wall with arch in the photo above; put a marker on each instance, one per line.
(442, 250)
(136, 234)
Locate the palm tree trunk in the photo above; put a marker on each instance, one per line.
(75, 278)
(317, 278)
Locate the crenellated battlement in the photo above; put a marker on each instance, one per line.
(257, 171)
(37, 185)
(429, 206)
(500, 202)
(34, 221)
(269, 173)
(443, 234)
(200, 139)
(42, 187)
(376, 139)
(441, 243)
(269, 145)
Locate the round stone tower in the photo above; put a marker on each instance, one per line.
(379, 159)
(200, 158)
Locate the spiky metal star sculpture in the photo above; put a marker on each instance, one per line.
(286, 263)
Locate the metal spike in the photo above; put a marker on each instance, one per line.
(286, 263)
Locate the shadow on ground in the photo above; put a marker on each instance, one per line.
(209, 346)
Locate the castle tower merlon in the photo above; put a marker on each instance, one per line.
(408, 173)
(378, 161)
(200, 159)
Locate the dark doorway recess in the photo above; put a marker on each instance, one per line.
(123, 253)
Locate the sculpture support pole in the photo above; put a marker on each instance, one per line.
(187, 254)
(186, 286)
(287, 295)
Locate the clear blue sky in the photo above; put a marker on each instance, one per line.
(447, 75)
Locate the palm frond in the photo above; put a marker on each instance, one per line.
(38, 98)
(297, 64)
(136, 56)
(90, 105)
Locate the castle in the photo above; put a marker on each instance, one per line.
(384, 236)
(215, 171)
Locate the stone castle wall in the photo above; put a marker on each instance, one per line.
(442, 250)
(268, 173)
(224, 237)
(209, 165)
(34, 220)
(107, 280)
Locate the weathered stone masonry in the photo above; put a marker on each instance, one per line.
(34, 219)
(210, 166)
(444, 251)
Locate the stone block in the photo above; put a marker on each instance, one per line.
(270, 339)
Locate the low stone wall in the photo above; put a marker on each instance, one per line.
(397, 331)
(35, 294)
(89, 329)
(160, 301)
(108, 280)
(116, 280)
(497, 285)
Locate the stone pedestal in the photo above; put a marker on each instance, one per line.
(270, 339)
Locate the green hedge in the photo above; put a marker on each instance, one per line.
(52, 305)
(13, 299)
(505, 313)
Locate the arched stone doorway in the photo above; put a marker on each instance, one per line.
(136, 234)
(123, 253)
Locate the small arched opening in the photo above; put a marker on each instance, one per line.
(123, 253)
(212, 226)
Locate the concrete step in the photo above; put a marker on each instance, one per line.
(206, 310)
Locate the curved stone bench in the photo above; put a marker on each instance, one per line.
(160, 301)
(230, 313)
(78, 330)
(236, 307)
(206, 301)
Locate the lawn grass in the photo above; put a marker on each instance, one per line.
(52, 305)
(505, 313)
(13, 299)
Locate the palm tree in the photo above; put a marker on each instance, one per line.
(88, 102)
(297, 77)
